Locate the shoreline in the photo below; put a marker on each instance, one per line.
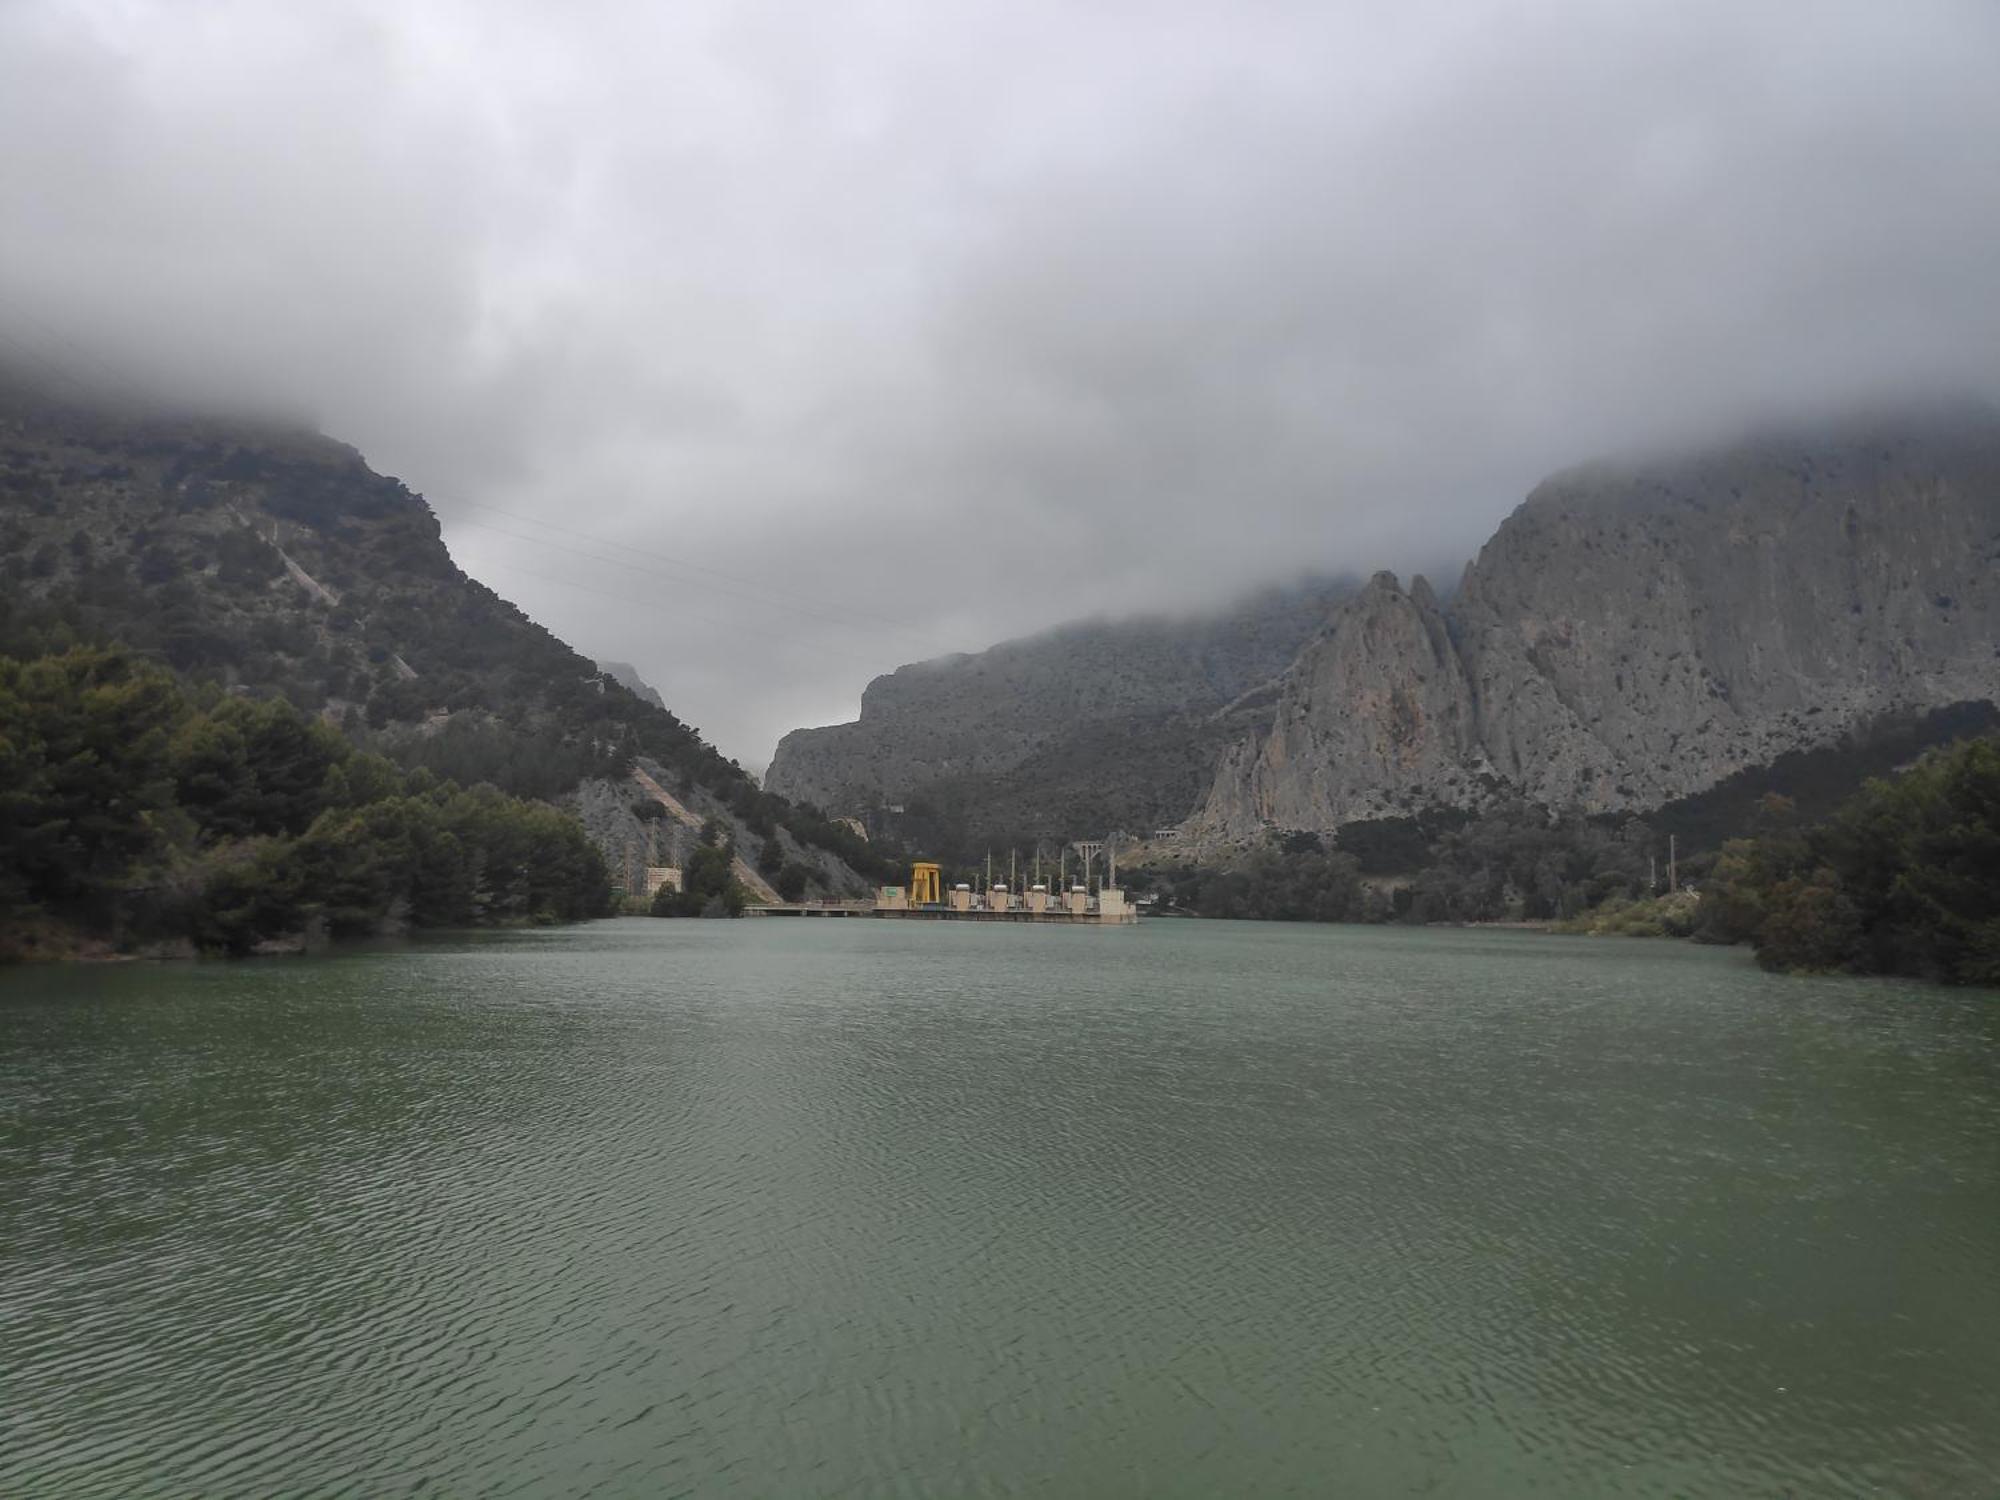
(66, 946)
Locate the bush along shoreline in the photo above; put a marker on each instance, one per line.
(1903, 879)
(709, 887)
(138, 817)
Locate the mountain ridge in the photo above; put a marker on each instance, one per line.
(265, 559)
(1008, 730)
(1635, 634)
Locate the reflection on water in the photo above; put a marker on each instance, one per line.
(833, 1208)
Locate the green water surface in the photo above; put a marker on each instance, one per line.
(858, 1208)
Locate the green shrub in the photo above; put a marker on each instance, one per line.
(1903, 879)
(129, 808)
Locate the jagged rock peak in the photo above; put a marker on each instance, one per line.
(1636, 633)
(1373, 713)
(1068, 713)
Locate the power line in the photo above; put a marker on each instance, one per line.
(767, 600)
(733, 626)
(49, 366)
(871, 617)
(111, 380)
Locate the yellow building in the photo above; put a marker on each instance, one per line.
(926, 897)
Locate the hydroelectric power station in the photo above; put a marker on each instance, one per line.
(926, 899)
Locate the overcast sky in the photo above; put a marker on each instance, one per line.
(771, 345)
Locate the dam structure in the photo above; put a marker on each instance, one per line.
(927, 899)
(924, 900)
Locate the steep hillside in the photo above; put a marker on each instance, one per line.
(1073, 730)
(139, 816)
(274, 561)
(1633, 635)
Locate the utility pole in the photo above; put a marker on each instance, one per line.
(1673, 865)
(1652, 872)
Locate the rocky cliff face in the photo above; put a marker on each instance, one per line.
(1374, 710)
(1100, 720)
(1632, 635)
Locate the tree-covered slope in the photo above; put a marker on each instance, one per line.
(135, 814)
(1903, 879)
(273, 561)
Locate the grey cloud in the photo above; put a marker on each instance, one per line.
(943, 322)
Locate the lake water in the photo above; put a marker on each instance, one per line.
(864, 1208)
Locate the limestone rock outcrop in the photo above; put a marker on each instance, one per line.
(1101, 720)
(1374, 712)
(1631, 634)
(1635, 634)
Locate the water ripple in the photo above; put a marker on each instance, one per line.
(855, 1209)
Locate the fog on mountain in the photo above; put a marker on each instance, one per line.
(767, 352)
(999, 749)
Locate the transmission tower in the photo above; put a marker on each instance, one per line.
(1089, 849)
